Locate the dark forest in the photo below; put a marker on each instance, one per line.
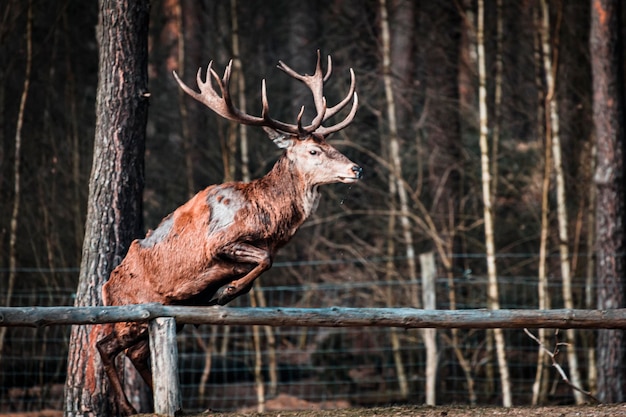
(490, 133)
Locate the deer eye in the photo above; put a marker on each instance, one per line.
(313, 151)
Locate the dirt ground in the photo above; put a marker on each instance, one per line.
(413, 411)
(439, 411)
(315, 410)
(587, 411)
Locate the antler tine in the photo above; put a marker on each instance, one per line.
(199, 81)
(301, 131)
(315, 83)
(315, 123)
(223, 105)
(333, 110)
(324, 131)
(224, 85)
(329, 66)
(266, 107)
(268, 121)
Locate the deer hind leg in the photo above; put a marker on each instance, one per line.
(139, 355)
(244, 253)
(122, 337)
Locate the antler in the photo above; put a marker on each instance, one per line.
(222, 103)
(315, 83)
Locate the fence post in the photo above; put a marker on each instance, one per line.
(429, 275)
(164, 359)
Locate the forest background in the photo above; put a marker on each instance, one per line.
(475, 132)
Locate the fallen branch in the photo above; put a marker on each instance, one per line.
(553, 354)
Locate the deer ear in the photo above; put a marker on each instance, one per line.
(282, 140)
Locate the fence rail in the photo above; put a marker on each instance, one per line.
(163, 319)
(320, 317)
(340, 356)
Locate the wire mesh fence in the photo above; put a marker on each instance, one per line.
(33, 361)
(223, 367)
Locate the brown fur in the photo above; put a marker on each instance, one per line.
(212, 248)
(225, 236)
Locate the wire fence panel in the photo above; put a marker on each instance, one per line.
(33, 361)
(332, 367)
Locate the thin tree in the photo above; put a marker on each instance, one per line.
(114, 214)
(590, 281)
(396, 183)
(540, 386)
(442, 132)
(608, 118)
(561, 202)
(15, 212)
(442, 126)
(461, 76)
(492, 289)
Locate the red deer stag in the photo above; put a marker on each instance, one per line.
(211, 249)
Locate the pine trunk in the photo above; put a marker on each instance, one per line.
(608, 116)
(114, 215)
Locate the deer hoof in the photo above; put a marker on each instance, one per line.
(227, 295)
(127, 409)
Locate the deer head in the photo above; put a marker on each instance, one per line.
(306, 146)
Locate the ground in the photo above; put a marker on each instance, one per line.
(401, 411)
(439, 411)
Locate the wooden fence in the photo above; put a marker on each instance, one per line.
(163, 321)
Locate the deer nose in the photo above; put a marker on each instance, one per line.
(358, 171)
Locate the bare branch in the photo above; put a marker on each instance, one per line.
(553, 355)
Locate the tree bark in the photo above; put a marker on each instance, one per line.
(608, 118)
(114, 215)
(493, 301)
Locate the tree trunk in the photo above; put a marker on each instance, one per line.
(396, 185)
(15, 212)
(590, 284)
(608, 118)
(540, 385)
(493, 302)
(463, 76)
(114, 215)
(552, 120)
(442, 126)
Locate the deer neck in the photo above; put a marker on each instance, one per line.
(289, 188)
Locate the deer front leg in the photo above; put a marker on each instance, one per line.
(249, 254)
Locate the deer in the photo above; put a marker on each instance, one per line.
(211, 249)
